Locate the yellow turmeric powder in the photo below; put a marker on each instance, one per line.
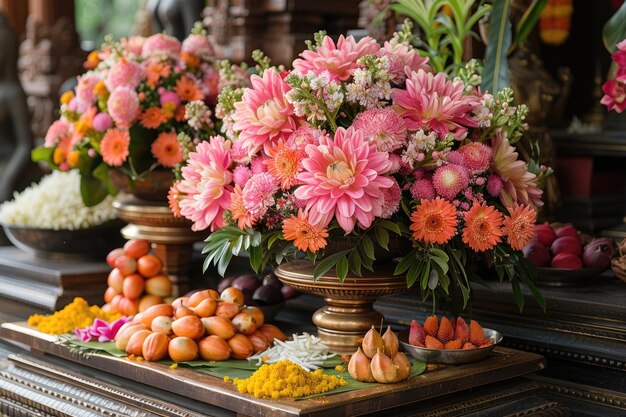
(286, 379)
(77, 314)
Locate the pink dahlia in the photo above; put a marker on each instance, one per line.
(160, 46)
(339, 59)
(476, 156)
(423, 189)
(198, 45)
(449, 180)
(400, 56)
(264, 114)
(85, 87)
(344, 178)
(124, 74)
(123, 106)
(207, 183)
(57, 130)
(258, 194)
(432, 102)
(392, 196)
(614, 95)
(383, 127)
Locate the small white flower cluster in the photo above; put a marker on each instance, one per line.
(198, 115)
(371, 87)
(419, 145)
(55, 203)
(313, 92)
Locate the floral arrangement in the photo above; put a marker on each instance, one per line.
(143, 104)
(367, 142)
(615, 89)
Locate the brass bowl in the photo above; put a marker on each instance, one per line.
(450, 357)
(92, 243)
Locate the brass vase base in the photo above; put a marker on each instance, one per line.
(349, 312)
(172, 237)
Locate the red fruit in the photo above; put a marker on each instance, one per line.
(115, 280)
(545, 234)
(468, 346)
(133, 286)
(126, 265)
(461, 330)
(598, 253)
(445, 332)
(567, 230)
(453, 344)
(567, 244)
(477, 334)
(486, 342)
(416, 334)
(149, 265)
(431, 325)
(537, 253)
(432, 343)
(136, 248)
(113, 255)
(567, 261)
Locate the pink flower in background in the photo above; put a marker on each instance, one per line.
(392, 197)
(102, 122)
(303, 136)
(401, 56)
(258, 194)
(207, 182)
(423, 189)
(339, 59)
(161, 46)
(383, 127)
(476, 156)
(85, 87)
(344, 177)
(198, 45)
(614, 95)
(57, 130)
(241, 175)
(494, 185)
(123, 106)
(124, 73)
(450, 180)
(431, 102)
(133, 45)
(264, 114)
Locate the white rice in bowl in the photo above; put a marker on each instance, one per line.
(55, 203)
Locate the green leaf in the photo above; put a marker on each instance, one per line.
(443, 265)
(354, 259)
(237, 246)
(535, 291)
(405, 263)
(92, 191)
(495, 75)
(615, 29)
(42, 154)
(527, 23)
(382, 236)
(139, 148)
(101, 172)
(273, 239)
(327, 263)
(440, 254)
(425, 275)
(224, 261)
(342, 268)
(517, 295)
(256, 253)
(368, 247)
(391, 226)
(414, 272)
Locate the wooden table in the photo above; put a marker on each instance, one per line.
(503, 364)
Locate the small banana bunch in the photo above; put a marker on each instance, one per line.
(378, 359)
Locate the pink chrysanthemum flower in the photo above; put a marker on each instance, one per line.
(614, 95)
(57, 130)
(124, 74)
(123, 106)
(449, 180)
(476, 156)
(392, 196)
(431, 102)
(519, 185)
(303, 136)
(257, 165)
(423, 189)
(114, 147)
(241, 175)
(264, 114)
(383, 127)
(85, 87)
(207, 183)
(160, 46)
(339, 60)
(400, 56)
(198, 45)
(133, 45)
(494, 185)
(344, 178)
(258, 194)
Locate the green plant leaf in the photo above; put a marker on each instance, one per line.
(425, 275)
(615, 29)
(139, 148)
(92, 190)
(256, 253)
(527, 23)
(541, 301)
(368, 246)
(405, 263)
(354, 259)
(42, 154)
(495, 75)
(414, 272)
(391, 226)
(327, 263)
(517, 295)
(382, 236)
(342, 268)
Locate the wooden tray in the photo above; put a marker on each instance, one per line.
(502, 364)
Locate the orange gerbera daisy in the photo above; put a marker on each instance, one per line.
(283, 164)
(238, 211)
(483, 227)
(114, 146)
(167, 150)
(305, 236)
(155, 71)
(174, 196)
(179, 113)
(434, 221)
(152, 118)
(520, 225)
(188, 90)
(191, 60)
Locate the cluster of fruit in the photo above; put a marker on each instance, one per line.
(565, 247)
(378, 359)
(205, 324)
(261, 290)
(136, 281)
(448, 334)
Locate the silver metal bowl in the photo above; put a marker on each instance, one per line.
(450, 357)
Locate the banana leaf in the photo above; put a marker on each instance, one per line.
(495, 76)
(527, 23)
(615, 29)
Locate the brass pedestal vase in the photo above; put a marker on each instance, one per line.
(348, 313)
(172, 236)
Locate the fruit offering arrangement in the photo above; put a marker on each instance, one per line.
(212, 326)
(378, 359)
(259, 290)
(448, 334)
(565, 247)
(136, 281)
